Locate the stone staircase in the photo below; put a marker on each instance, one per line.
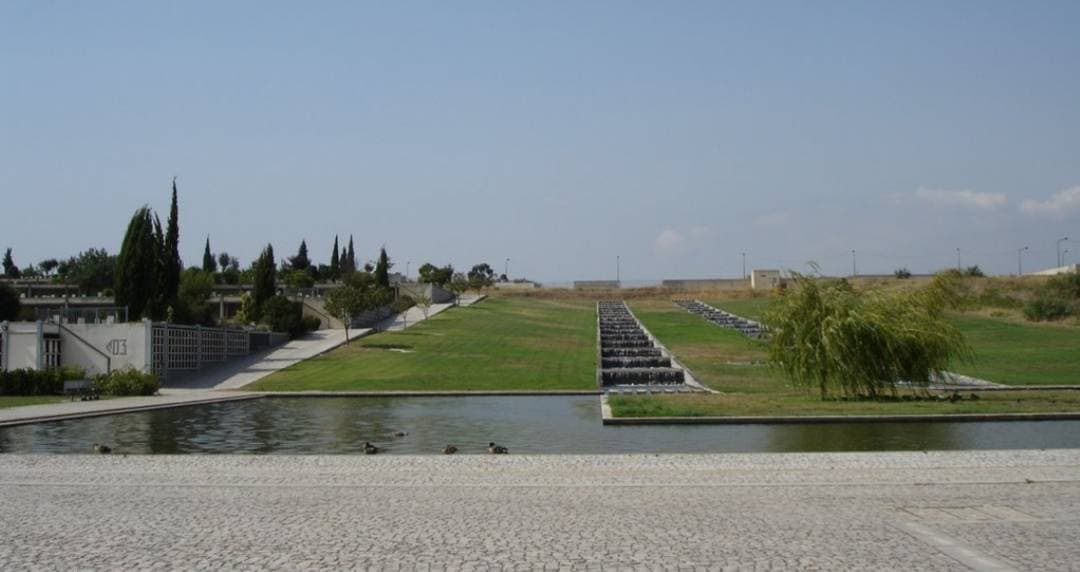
(719, 317)
(632, 361)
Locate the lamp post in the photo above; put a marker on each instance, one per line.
(1020, 261)
(407, 263)
(957, 259)
(854, 268)
(506, 269)
(618, 270)
(1059, 241)
(744, 266)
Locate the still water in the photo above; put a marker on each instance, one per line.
(546, 425)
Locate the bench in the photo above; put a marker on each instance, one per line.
(84, 389)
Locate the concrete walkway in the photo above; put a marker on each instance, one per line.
(965, 510)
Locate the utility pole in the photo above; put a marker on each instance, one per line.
(957, 259)
(407, 263)
(744, 266)
(854, 269)
(618, 269)
(1020, 261)
(1060, 240)
(506, 269)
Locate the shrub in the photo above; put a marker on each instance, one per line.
(403, 303)
(1057, 299)
(283, 315)
(128, 381)
(902, 273)
(38, 382)
(311, 323)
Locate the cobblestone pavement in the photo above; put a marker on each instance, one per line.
(869, 511)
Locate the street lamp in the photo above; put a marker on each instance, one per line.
(854, 268)
(1019, 261)
(958, 259)
(506, 269)
(1059, 241)
(618, 269)
(407, 263)
(744, 266)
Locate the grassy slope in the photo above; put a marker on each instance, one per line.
(498, 344)
(20, 400)
(1021, 353)
(709, 351)
(1006, 351)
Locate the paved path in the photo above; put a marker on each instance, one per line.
(939, 511)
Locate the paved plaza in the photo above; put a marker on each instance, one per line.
(992, 510)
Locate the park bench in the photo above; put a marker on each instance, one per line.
(84, 389)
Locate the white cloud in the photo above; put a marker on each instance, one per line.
(1062, 203)
(965, 199)
(668, 240)
(778, 218)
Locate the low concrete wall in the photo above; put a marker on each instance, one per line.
(516, 285)
(100, 347)
(707, 284)
(597, 285)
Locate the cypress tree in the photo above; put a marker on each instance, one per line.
(301, 260)
(136, 278)
(348, 265)
(335, 262)
(265, 285)
(382, 269)
(171, 264)
(208, 262)
(10, 269)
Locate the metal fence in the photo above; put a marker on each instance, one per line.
(178, 347)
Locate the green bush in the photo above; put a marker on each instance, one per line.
(311, 323)
(403, 303)
(38, 382)
(283, 315)
(128, 381)
(1057, 299)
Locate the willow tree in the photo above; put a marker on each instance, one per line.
(825, 335)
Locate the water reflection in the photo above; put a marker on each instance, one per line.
(564, 424)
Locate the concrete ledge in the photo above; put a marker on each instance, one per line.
(129, 409)
(823, 419)
(509, 392)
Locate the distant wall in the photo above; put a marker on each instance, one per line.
(707, 284)
(417, 290)
(20, 349)
(596, 284)
(87, 345)
(1070, 269)
(516, 285)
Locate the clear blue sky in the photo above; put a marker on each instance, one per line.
(558, 134)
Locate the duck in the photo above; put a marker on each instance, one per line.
(370, 449)
(101, 449)
(449, 450)
(400, 433)
(497, 449)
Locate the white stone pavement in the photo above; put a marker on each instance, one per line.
(989, 510)
(205, 385)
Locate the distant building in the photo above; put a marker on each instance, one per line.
(597, 285)
(1070, 269)
(765, 279)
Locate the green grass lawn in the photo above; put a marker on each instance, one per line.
(725, 361)
(498, 344)
(1016, 353)
(20, 400)
(1006, 350)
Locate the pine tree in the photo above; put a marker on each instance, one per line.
(301, 260)
(265, 285)
(382, 269)
(10, 269)
(136, 279)
(208, 262)
(335, 261)
(171, 264)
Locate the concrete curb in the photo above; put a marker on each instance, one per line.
(824, 419)
(122, 410)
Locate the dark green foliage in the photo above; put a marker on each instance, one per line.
(298, 279)
(902, 273)
(403, 303)
(264, 279)
(359, 294)
(974, 272)
(283, 315)
(382, 269)
(48, 265)
(136, 276)
(431, 274)
(170, 263)
(301, 260)
(311, 323)
(208, 262)
(335, 262)
(38, 382)
(481, 276)
(10, 269)
(825, 335)
(1057, 299)
(348, 261)
(193, 299)
(129, 381)
(9, 303)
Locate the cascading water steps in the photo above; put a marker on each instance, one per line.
(632, 361)
(719, 317)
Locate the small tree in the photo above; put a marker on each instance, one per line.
(481, 276)
(348, 261)
(265, 278)
(193, 297)
(902, 273)
(358, 295)
(48, 265)
(301, 260)
(10, 269)
(431, 274)
(458, 285)
(423, 300)
(335, 261)
(382, 269)
(826, 335)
